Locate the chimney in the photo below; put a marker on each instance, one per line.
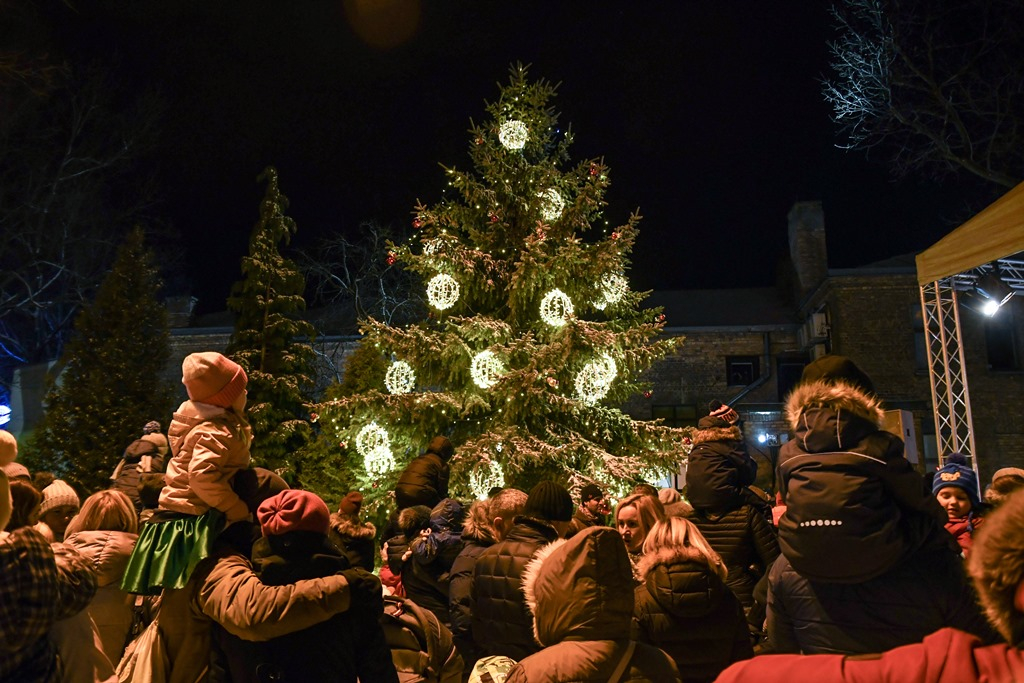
(807, 245)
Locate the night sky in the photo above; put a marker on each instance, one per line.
(709, 114)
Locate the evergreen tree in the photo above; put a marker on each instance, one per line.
(270, 341)
(533, 338)
(112, 375)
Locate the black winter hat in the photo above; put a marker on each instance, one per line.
(832, 369)
(441, 446)
(591, 492)
(549, 501)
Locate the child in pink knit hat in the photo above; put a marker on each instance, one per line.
(209, 438)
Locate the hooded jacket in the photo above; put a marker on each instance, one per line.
(718, 469)
(424, 481)
(854, 506)
(946, 656)
(208, 446)
(580, 594)
(683, 608)
(355, 539)
(476, 538)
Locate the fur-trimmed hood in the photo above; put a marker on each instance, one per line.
(681, 582)
(732, 433)
(580, 588)
(826, 416)
(477, 531)
(349, 526)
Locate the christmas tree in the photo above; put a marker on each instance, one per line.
(270, 341)
(534, 336)
(111, 381)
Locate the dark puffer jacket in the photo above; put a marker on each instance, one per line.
(424, 584)
(854, 506)
(502, 624)
(580, 592)
(718, 470)
(683, 608)
(355, 539)
(476, 538)
(425, 479)
(747, 544)
(917, 597)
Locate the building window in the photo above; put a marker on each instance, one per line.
(1000, 341)
(789, 375)
(742, 370)
(676, 416)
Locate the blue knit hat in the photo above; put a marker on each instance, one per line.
(956, 472)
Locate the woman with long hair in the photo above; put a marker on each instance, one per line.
(683, 605)
(635, 516)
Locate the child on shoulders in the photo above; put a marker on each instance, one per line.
(955, 486)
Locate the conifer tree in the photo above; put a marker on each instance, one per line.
(534, 336)
(270, 341)
(112, 375)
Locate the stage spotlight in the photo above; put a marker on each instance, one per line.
(992, 287)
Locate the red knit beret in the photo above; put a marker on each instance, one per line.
(293, 510)
(210, 377)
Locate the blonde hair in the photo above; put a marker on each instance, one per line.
(108, 510)
(677, 532)
(649, 510)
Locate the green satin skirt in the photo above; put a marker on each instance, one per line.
(168, 551)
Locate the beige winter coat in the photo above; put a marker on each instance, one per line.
(208, 446)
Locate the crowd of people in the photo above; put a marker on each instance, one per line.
(197, 563)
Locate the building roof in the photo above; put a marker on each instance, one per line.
(723, 307)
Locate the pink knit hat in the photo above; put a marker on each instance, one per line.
(210, 377)
(8, 447)
(293, 510)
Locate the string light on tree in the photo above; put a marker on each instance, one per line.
(551, 204)
(611, 289)
(374, 444)
(595, 379)
(555, 308)
(483, 479)
(442, 291)
(486, 369)
(513, 134)
(400, 378)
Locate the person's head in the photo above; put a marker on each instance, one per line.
(413, 520)
(644, 490)
(677, 533)
(108, 510)
(151, 427)
(25, 502)
(719, 415)
(996, 564)
(441, 447)
(1003, 485)
(15, 471)
(149, 487)
(351, 504)
(955, 485)
(635, 515)
(8, 448)
(210, 377)
(668, 496)
(60, 504)
(837, 370)
(592, 500)
(550, 502)
(503, 508)
(294, 521)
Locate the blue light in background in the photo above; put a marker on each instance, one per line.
(5, 414)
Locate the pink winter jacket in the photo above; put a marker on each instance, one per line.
(208, 446)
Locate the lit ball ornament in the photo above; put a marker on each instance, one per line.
(513, 134)
(595, 379)
(551, 204)
(485, 369)
(373, 443)
(433, 247)
(483, 479)
(555, 308)
(611, 290)
(400, 378)
(442, 291)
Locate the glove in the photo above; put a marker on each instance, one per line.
(366, 591)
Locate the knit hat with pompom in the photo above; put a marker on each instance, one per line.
(956, 472)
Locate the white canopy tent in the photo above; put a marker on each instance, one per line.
(992, 242)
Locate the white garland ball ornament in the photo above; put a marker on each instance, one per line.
(555, 308)
(551, 204)
(611, 289)
(374, 444)
(513, 134)
(400, 378)
(442, 291)
(483, 479)
(486, 369)
(595, 379)
(433, 247)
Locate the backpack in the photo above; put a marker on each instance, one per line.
(145, 659)
(421, 647)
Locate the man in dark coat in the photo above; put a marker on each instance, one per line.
(591, 511)
(425, 479)
(502, 623)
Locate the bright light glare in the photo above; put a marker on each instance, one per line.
(5, 414)
(990, 307)
(761, 438)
